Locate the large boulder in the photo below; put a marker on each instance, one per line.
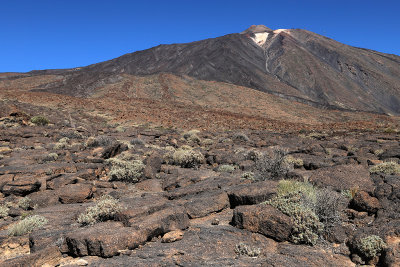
(263, 219)
(343, 177)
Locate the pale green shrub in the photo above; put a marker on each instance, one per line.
(62, 143)
(272, 166)
(4, 211)
(386, 168)
(123, 170)
(105, 209)
(24, 203)
(243, 249)
(370, 246)
(27, 225)
(226, 168)
(39, 120)
(187, 158)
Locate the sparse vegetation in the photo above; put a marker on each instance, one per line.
(105, 209)
(62, 143)
(24, 203)
(50, 157)
(248, 175)
(39, 120)
(241, 137)
(27, 225)
(187, 158)
(101, 140)
(137, 141)
(192, 137)
(370, 246)
(4, 211)
(295, 162)
(123, 170)
(311, 209)
(226, 168)
(243, 249)
(272, 166)
(390, 167)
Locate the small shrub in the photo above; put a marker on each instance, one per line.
(298, 200)
(243, 249)
(253, 155)
(39, 120)
(370, 246)
(27, 225)
(101, 140)
(24, 203)
(248, 175)
(241, 137)
(307, 226)
(187, 158)
(72, 134)
(349, 193)
(192, 137)
(62, 143)
(386, 168)
(378, 152)
(295, 162)
(122, 170)
(51, 157)
(307, 190)
(272, 166)
(327, 207)
(226, 168)
(207, 142)
(137, 141)
(105, 209)
(4, 211)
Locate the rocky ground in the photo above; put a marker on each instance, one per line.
(194, 198)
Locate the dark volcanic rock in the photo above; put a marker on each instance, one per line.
(364, 202)
(263, 219)
(344, 177)
(249, 194)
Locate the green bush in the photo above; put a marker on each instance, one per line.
(4, 211)
(243, 249)
(27, 225)
(370, 246)
(187, 158)
(226, 168)
(123, 170)
(105, 209)
(307, 226)
(298, 200)
(39, 120)
(386, 168)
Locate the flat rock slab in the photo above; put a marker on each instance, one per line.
(208, 202)
(22, 187)
(344, 177)
(75, 193)
(263, 219)
(103, 240)
(249, 194)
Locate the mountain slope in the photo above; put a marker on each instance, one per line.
(294, 64)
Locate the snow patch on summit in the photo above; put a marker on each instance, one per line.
(260, 38)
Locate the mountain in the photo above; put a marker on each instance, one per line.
(292, 63)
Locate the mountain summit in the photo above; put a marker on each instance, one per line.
(294, 64)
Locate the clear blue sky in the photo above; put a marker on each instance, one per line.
(43, 34)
